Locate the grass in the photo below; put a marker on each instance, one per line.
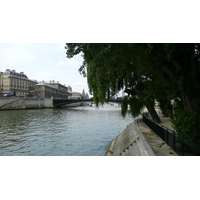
(109, 151)
(152, 132)
(146, 133)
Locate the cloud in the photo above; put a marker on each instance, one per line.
(68, 62)
(78, 87)
(16, 54)
(80, 84)
(43, 61)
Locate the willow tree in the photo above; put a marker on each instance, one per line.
(111, 68)
(147, 72)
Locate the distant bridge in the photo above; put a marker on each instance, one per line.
(61, 102)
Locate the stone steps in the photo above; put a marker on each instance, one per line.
(132, 150)
(130, 142)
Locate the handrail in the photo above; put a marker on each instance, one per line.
(179, 144)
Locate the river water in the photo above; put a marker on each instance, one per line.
(75, 131)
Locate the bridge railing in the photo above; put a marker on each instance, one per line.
(57, 102)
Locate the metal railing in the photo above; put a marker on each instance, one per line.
(180, 145)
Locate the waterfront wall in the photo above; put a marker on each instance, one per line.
(10, 103)
(130, 142)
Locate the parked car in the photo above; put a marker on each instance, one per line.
(8, 95)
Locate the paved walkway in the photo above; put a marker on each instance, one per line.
(159, 147)
(166, 122)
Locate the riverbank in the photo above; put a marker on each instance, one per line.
(130, 142)
(139, 140)
(17, 103)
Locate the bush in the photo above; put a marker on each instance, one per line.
(186, 124)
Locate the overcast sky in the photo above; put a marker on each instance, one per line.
(43, 61)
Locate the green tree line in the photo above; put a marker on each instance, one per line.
(146, 72)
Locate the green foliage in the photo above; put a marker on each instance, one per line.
(124, 107)
(186, 124)
(135, 106)
(163, 72)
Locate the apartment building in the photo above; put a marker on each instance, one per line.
(52, 89)
(63, 91)
(16, 84)
(75, 95)
(44, 90)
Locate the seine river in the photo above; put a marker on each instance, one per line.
(75, 131)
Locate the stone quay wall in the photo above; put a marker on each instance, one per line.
(11, 103)
(130, 142)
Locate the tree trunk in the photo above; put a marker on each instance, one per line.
(153, 112)
(165, 107)
(188, 103)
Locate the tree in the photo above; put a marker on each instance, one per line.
(163, 72)
(109, 69)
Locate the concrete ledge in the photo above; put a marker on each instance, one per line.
(131, 138)
(10, 103)
(144, 146)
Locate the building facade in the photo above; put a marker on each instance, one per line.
(75, 95)
(13, 83)
(52, 89)
(16, 84)
(63, 91)
(44, 90)
(32, 84)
